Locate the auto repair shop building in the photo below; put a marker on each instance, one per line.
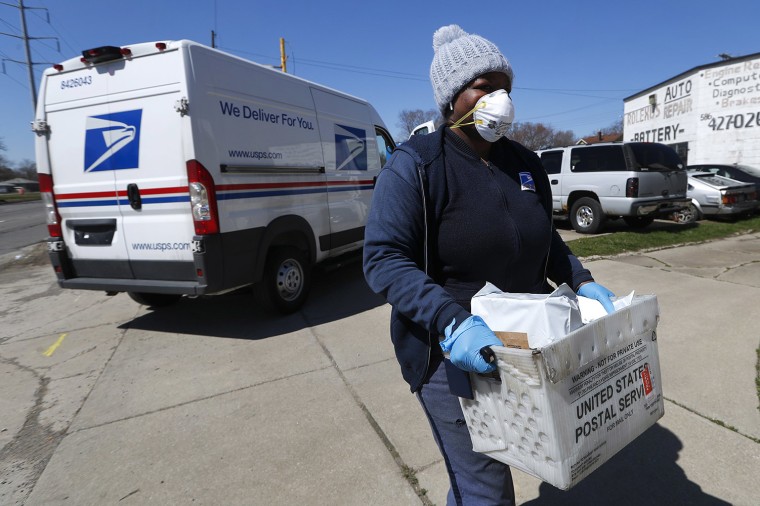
(709, 114)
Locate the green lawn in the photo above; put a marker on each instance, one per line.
(660, 235)
(19, 197)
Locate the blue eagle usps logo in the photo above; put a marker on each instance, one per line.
(350, 148)
(526, 182)
(112, 141)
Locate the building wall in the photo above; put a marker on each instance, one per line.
(710, 114)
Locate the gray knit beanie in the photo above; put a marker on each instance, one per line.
(459, 58)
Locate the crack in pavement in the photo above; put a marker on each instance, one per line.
(408, 473)
(24, 458)
(70, 315)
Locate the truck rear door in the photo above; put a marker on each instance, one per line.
(116, 157)
(662, 173)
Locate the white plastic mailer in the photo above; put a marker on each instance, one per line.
(545, 318)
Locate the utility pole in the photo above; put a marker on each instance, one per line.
(26, 38)
(29, 66)
(283, 58)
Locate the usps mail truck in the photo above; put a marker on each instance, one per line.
(171, 168)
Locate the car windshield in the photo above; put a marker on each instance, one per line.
(654, 156)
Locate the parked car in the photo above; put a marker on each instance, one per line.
(714, 195)
(637, 181)
(738, 172)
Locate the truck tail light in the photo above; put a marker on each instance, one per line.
(202, 199)
(632, 187)
(51, 211)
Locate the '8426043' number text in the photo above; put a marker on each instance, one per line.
(76, 82)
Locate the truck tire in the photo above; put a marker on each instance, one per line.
(286, 280)
(154, 299)
(638, 221)
(586, 216)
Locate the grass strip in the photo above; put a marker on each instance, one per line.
(626, 241)
(18, 197)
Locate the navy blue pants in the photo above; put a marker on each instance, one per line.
(476, 479)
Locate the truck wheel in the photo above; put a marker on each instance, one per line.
(586, 216)
(154, 299)
(638, 221)
(286, 281)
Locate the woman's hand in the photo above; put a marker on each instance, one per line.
(464, 344)
(596, 291)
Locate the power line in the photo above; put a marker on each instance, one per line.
(73, 50)
(342, 68)
(12, 27)
(27, 50)
(417, 77)
(627, 90)
(8, 58)
(58, 49)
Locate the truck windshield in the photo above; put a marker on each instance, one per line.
(652, 156)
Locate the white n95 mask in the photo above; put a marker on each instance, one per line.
(492, 115)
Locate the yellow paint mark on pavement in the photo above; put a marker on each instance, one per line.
(55, 346)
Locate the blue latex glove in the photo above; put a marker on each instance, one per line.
(598, 292)
(464, 344)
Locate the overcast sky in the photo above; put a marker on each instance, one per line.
(574, 61)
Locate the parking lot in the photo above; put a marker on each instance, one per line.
(213, 402)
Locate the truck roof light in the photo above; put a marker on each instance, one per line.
(58, 67)
(161, 45)
(103, 54)
(125, 51)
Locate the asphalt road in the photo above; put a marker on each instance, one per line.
(21, 224)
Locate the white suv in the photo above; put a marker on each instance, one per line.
(634, 180)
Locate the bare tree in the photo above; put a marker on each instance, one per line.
(27, 169)
(3, 160)
(5, 171)
(614, 128)
(539, 136)
(408, 119)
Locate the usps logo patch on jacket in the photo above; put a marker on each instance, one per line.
(112, 141)
(526, 182)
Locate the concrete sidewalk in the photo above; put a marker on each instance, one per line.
(213, 403)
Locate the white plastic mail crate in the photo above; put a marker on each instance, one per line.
(560, 412)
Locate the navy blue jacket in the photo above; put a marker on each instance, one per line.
(437, 231)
